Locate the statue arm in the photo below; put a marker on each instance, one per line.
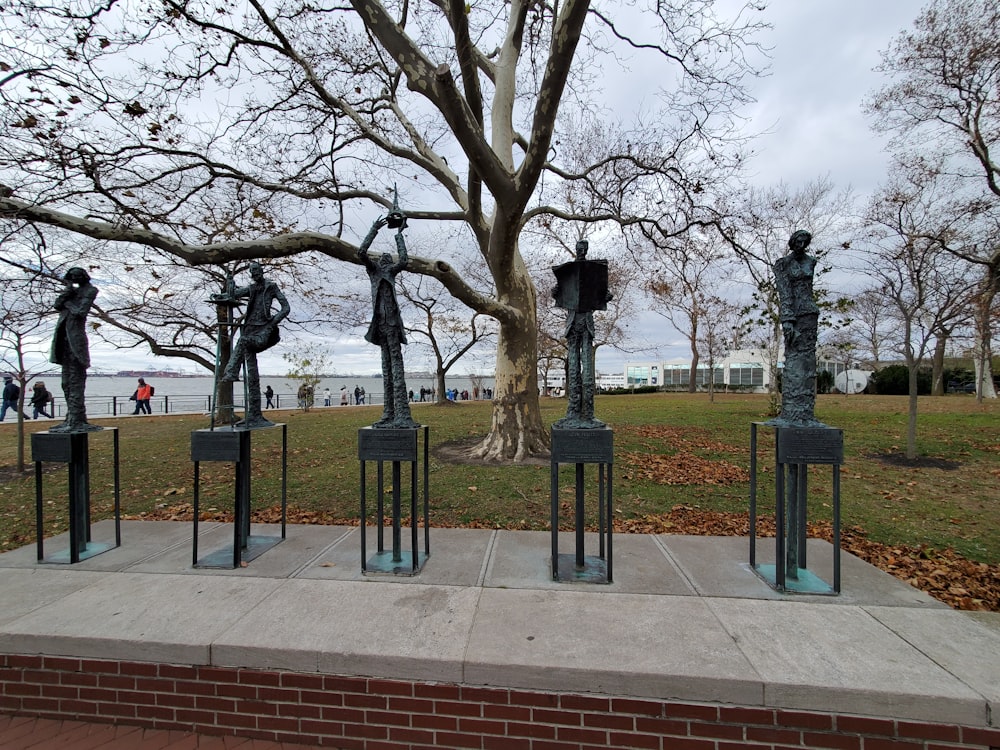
(79, 302)
(404, 257)
(366, 243)
(284, 308)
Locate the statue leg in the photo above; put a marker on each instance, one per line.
(232, 371)
(254, 416)
(388, 406)
(400, 398)
(574, 384)
(588, 377)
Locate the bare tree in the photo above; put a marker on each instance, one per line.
(679, 283)
(927, 286)
(942, 107)
(471, 107)
(718, 333)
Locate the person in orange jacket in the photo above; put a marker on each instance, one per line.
(142, 395)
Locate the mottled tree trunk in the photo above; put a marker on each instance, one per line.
(982, 353)
(937, 366)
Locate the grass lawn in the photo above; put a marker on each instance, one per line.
(670, 449)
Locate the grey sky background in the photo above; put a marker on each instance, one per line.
(809, 108)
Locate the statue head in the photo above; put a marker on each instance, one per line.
(385, 260)
(581, 249)
(799, 241)
(256, 271)
(76, 276)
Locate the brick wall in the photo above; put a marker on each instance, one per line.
(374, 714)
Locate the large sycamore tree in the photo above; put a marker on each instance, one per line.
(118, 116)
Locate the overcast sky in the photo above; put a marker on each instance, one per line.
(822, 56)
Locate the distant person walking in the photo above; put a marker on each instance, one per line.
(11, 392)
(142, 394)
(40, 397)
(269, 394)
(326, 397)
(357, 395)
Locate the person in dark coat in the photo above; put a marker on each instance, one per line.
(71, 349)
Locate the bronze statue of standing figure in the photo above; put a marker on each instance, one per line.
(581, 288)
(386, 327)
(793, 278)
(71, 349)
(258, 332)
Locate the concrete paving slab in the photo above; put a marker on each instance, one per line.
(719, 567)
(161, 618)
(817, 657)
(520, 560)
(24, 591)
(140, 540)
(379, 629)
(669, 647)
(962, 642)
(458, 558)
(302, 543)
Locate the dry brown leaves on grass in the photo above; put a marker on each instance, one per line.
(683, 466)
(944, 574)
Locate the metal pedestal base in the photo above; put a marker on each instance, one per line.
(234, 446)
(581, 447)
(73, 449)
(795, 449)
(395, 446)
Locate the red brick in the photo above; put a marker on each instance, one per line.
(977, 736)
(84, 693)
(632, 740)
(538, 731)
(79, 708)
(116, 681)
(613, 721)
(507, 713)
(865, 725)
(804, 719)
(366, 730)
(278, 695)
(447, 739)
(346, 715)
(217, 674)
(773, 736)
(832, 740)
(390, 687)
(321, 728)
(175, 671)
(689, 743)
(211, 703)
(40, 676)
(177, 700)
(585, 703)
(358, 700)
(437, 691)
(411, 705)
(575, 734)
(763, 717)
(457, 708)
(22, 661)
(481, 726)
(224, 719)
(310, 681)
(302, 710)
(671, 727)
(9, 674)
(60, 663)
(433, 721)
(943, 732)
(522, 698)
(410, 736)
(888, 744)
(551, 745)
(20, 688)
(154, 685)
(138, 668)
(691, 711)
(260, 708)
(194, 687)
(632, 706)
(485, 695)
(506, 743)
(38, 705)
(253, 677)
(78, 678)
(321, 698)
(235, 690)
(569, 718)
(719, 731)
(389, 718)
(149, 712)
(278, 723)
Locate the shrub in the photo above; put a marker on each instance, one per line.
(894, 380)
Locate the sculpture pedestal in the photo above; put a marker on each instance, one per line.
(795, 449)
(234, 446)
(581, 447)
(73, 448)
(395, 446)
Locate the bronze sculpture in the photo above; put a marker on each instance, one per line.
(793, 278)
(258, 332)
(386, 327)
(582, 287)
(71, 349)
